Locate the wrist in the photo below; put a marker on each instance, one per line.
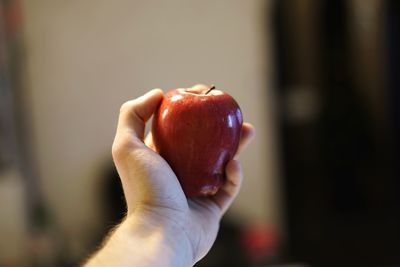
(168, 240)
(137, 243)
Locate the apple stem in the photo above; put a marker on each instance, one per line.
(211, 88)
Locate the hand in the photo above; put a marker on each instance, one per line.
(154, 197)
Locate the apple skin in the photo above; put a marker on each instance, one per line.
(197, 134)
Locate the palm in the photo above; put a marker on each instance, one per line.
(205, 216)
(200, 215)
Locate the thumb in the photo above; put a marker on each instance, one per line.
(129, 152)
(131, 123)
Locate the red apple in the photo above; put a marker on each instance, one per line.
(197, 131)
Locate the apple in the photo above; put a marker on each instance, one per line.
(197, 131)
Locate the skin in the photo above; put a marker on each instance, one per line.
(162, 227)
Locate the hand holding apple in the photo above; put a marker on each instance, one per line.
(164, 227)
(197, 131)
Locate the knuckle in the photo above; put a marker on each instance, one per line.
(116, 151)
(127, 106)
(124, 107)
(119, 149)
(124, 146)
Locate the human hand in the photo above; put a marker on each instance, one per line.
(154, 197)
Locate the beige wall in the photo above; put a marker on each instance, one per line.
(87, 57)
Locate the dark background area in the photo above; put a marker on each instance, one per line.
(338, 85)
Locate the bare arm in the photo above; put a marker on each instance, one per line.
(145, 244)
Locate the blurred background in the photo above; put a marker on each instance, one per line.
(319, 79)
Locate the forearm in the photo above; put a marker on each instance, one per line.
(134, 244)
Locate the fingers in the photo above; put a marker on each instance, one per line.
(234, 175)
(248, 134)
(230, 189)
(132, 118)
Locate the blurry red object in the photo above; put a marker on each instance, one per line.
(259, 241)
